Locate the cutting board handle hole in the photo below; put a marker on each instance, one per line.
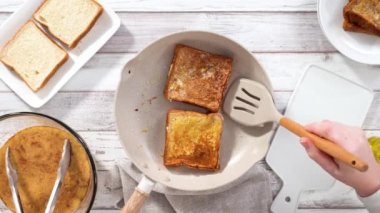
(287, 199)
(353, 162)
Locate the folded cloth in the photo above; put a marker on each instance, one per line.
(249, 193)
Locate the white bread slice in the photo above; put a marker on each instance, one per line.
(33, 56)
(68, 20)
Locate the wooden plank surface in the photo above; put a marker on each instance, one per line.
(192, 5)
(258, 32)
(103, 71)
(332, 211)
(106, 149)
(84, 105)
(284, 36)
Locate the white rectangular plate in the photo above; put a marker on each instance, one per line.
(107, 24)
(319, 95)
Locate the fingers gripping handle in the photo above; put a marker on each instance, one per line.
(324, 145)
(141, 193)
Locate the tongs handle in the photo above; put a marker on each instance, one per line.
(62, 168)
(12, 179)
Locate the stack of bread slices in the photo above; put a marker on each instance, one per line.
(39, 48)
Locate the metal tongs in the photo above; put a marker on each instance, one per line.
(62, 168)
(12, 179)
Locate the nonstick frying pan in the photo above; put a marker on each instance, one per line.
(141, 108)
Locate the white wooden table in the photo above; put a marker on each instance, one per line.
(284, 36)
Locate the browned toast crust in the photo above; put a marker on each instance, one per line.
(347, 26)
(198, 77)
(55, 69)
(360, 20)
(347, 8)
(203, 156)
(84, 33)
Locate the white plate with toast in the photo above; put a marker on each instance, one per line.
(99, 31)
(359, 47)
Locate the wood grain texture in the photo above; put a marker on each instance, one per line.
(81, 110)
(84, 105)
(258, 32)
(192, 5)
(106, 149)
(332, 211)
(135, 202)
(103, 71)
(284, 36)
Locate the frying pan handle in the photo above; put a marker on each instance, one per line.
(141, 193)
(324, 145)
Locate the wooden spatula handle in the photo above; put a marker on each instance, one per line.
(324, 145)
(135, 202)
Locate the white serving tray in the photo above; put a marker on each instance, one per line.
(320, 95)
(107, 24)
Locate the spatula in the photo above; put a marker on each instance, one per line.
(250, 103)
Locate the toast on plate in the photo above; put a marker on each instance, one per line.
(33, 56)
(193, 139)
(68, 20)
(362, 16)
(347, 26)
(198, 77)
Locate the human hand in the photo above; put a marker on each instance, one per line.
(353, 140)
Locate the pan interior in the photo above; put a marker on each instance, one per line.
(141, 114)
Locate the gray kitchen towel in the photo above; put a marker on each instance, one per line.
(249, 193)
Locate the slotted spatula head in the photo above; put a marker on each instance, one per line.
(250, 103)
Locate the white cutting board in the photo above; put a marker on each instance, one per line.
(320, 95)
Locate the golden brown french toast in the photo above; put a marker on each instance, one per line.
(364, 14)
(348, 26)
(198, 77)
(193, 139)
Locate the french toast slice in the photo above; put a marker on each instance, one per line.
(198, 77)
(348, 26)
(364, 14)
(193, 139)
